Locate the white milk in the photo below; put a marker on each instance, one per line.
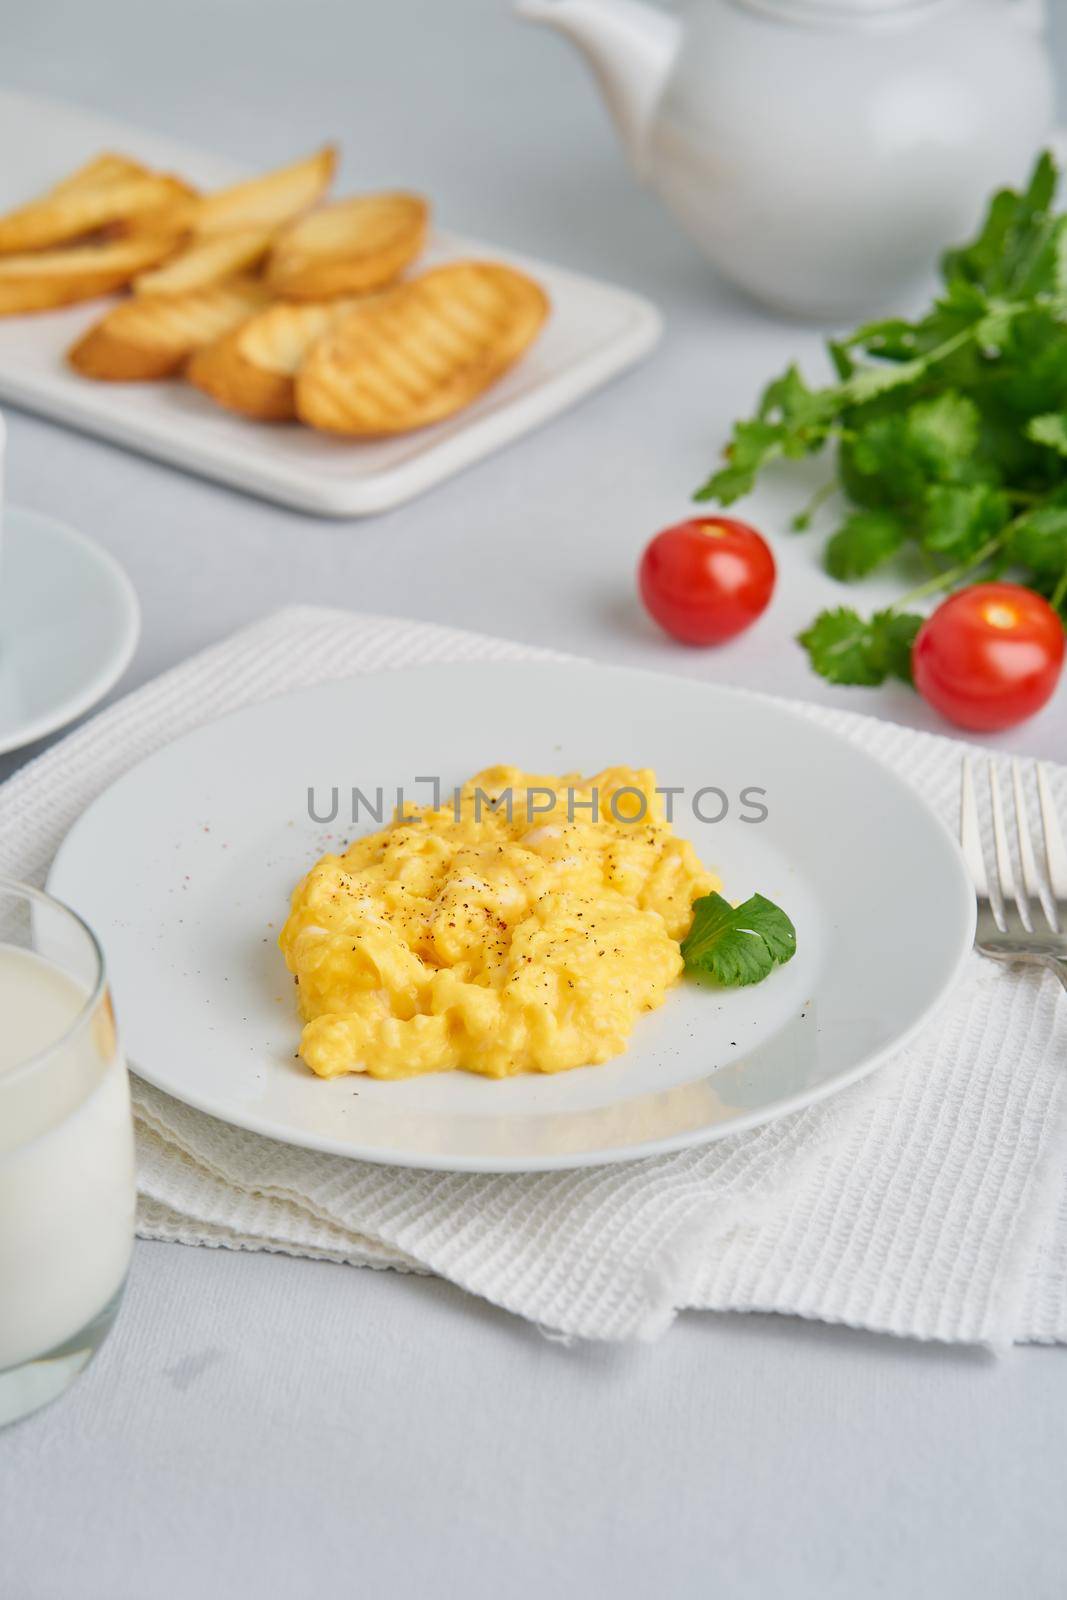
(66, 1161)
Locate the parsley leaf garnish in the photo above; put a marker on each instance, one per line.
(849, 649)
(863, 542)
(1051, 430)
(1039, 539)
(1008, 252)
(791, 423)
(959, 519)
(738, 944)
(949, 432)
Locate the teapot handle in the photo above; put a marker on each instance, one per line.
(1032, 14)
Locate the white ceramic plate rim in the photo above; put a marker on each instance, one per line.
(772, 1109)
(110, 669)
(690, 1140)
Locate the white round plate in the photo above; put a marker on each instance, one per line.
(185, 865)
(69, 622)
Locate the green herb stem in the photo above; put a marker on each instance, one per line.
(803, 519)
(947, 579)
(950, 346)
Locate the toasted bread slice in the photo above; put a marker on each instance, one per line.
(349, 247)
(271, 200)
(205, 261)
(150, 336)
(177, 214)
(85, 203)
(253, 368)
(61, 277)
(104, 168)
(420, 351)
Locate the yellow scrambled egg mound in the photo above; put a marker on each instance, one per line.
(462, 937)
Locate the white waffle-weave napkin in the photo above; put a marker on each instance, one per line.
(927, 1201)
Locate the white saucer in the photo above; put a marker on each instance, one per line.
(69, 622)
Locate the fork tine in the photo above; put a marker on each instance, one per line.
(1055, 852)
(1032, 898)
(1012, 916)
(970, 832)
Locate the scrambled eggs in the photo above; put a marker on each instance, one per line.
(462, 937)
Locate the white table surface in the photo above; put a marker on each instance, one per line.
(265, 1427)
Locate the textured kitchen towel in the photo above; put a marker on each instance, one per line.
(928, 1200)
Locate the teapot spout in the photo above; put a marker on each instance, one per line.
(629, 46)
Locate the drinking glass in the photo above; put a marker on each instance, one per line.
(66, 1150)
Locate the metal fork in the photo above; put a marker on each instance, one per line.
(1025, 919)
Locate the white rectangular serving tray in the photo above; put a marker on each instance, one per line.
(594, 332)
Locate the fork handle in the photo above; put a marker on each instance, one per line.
(1059, 968)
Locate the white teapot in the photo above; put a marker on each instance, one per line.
(821, 152)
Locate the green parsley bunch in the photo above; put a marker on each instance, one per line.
(950, 433)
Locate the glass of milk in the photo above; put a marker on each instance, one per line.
(66, 1151)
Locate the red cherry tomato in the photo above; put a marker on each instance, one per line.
(989, 656)
(707, 579)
